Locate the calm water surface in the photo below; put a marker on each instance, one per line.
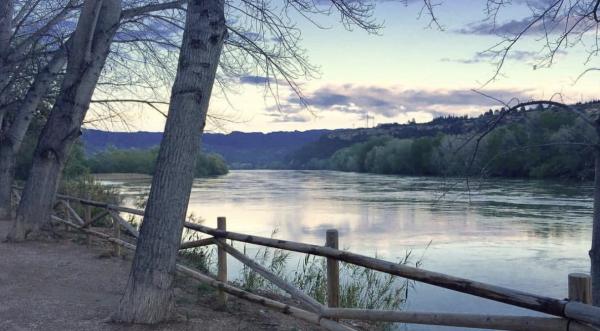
(527, 235)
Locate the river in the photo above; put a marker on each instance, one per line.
(527, 235)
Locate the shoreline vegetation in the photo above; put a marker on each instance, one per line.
(539, 143)
(536, 144)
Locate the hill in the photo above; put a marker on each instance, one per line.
(315, 149)
(240, 149)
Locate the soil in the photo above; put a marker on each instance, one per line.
(64, 284)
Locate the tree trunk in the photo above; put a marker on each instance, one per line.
(148, 297)
(6, 16)
(7, 170)
(595, 250)
(87, 55)
(11, 139)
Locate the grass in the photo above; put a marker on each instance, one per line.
(359, 287)
(201, 258)
(87, 187)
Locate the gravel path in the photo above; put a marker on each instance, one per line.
(65, 285)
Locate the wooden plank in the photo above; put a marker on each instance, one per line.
(126, 225)
(73, 213)
(221, 262)
(501, 294)
(295, 293)
(580, 288)
(96, 218)
(101, 205)
(197, 243)
(333, 270)
(492, 322)
(582, 312)
(117, 235)
(95, 233)
(269, 303)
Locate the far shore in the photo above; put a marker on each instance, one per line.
(113, 176)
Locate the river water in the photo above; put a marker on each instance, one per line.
(527, 235)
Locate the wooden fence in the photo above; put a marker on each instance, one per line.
(575, 313)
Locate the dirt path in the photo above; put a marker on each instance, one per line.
(64, 285)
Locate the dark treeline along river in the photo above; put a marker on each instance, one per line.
(527, 235)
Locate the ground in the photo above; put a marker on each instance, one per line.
(62, 284)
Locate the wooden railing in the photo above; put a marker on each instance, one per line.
(574, 313)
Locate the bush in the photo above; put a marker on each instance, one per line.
(113, 160)
(86, 187)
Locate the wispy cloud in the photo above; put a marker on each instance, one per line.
(490, 57)
(282, 117)
(254, 80)
(390, 102)
(511, 27)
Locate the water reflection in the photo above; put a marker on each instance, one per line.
(523, 234)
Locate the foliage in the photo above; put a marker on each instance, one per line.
(201, 258)
(113, 160)
(359, 287)
(87, 187)
(74, 167)
(541, 144)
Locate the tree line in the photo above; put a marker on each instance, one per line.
(542, 144)
(143, 161)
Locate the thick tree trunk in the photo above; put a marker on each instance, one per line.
(7, 170)
(6, 16)
(87, 55)
(7, 159)
(595, 250)
(148, 297)
(11, 139)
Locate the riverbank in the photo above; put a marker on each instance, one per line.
(62, 284)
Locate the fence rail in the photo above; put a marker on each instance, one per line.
(574, 313)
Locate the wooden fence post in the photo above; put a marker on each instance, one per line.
(87, 215)
(222, 263)
(67, 215)
(333, 271)
(580, 288)
(117, 232)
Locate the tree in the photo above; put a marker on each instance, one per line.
(23, 58)
(148, 297)
(86, 50)
(87, 53)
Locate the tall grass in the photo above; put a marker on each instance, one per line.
(359, 287)
(201, 258)
(87, 187)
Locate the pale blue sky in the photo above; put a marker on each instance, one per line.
(408, 71)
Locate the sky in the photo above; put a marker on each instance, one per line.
(410, 70)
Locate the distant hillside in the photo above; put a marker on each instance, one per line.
(240, 149)
(335, 140)
(299, 149)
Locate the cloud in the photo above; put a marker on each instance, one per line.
(393, 101)
(254, 80)
(282, 117)
(512, 27)
(490, 57)
(571, 19)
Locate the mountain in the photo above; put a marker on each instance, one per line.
(240, 149)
